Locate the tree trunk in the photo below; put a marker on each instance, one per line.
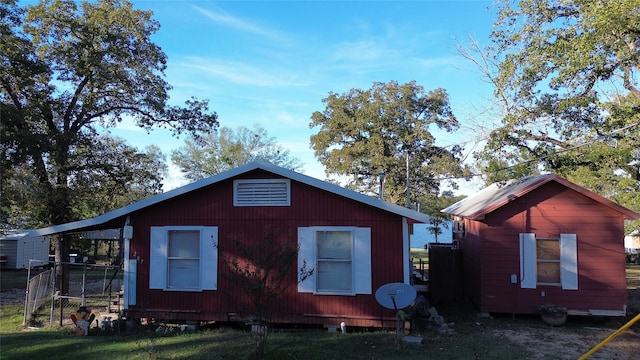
(95, 249)
(60, 213)
(109, 249)
(62, 267)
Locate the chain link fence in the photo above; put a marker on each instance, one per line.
(96, 287)
(39, 288)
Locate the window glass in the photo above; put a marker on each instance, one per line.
(334, 245)
(184, 243)
(334, 265)
(334, 276)
(548, 249)
(183, 267)
(549, 273)
(548, 261)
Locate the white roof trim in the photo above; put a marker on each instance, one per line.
(305, 179)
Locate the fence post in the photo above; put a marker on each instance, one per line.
(83, 301)
(52, 283)
(62, 290)
(26, 295)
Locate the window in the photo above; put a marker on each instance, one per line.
(340, 257)
(334, 261)
(183, 258)
(262, 192)
(545, 261)
(548, 261)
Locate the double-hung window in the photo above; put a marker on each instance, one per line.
(334, 261)
(340, 257)
(548, 261)
(183, 258)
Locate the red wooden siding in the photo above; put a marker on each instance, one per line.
(548, 211)
(470, 245)
(213, 206)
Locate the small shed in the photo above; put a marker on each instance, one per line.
(20, 247)
(632, 246)
(632, 241)
(540, 240)
(178, 247)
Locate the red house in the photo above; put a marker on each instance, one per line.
(542, 240)
(174, 244)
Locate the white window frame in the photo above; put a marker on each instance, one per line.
(159, 260)
(346, 263)
(360, 259)
(568, 262)
(259, 192)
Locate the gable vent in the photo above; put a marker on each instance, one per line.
(261, 192)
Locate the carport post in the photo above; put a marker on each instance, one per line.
(83, 301)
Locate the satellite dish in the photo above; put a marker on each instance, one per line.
(396, 296)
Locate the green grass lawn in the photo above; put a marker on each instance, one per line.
(420, 254)
(227, 342)
(231, 343)
(13, 279)
(474, 339)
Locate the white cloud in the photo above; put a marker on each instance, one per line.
(254, 74)
(220, 17)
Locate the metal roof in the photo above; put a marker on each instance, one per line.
(496, 195)
(17, 234)
(255, 165)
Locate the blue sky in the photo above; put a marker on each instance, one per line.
(272, 62)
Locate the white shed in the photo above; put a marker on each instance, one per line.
(632, 241)
(17, 247)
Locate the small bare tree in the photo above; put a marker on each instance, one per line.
(260, 268)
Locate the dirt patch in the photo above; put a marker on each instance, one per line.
(12, 296)
(581, 334)
(571, 342)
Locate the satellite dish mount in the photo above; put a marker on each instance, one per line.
(396, 296)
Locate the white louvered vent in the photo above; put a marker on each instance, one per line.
(261, 192)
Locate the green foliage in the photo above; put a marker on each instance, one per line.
(433, 204)
(363, 133)
(69, 69)
(552, 309)
(567, 77)
(227, 149)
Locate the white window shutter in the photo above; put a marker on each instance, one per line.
(307, 254)
(569, 261)
(362, 258)
(528, 268)
(209, 258)
(158, 258)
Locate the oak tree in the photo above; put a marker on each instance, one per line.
(69, 69)
(388, 130)
(567, 75)
(227, 148)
